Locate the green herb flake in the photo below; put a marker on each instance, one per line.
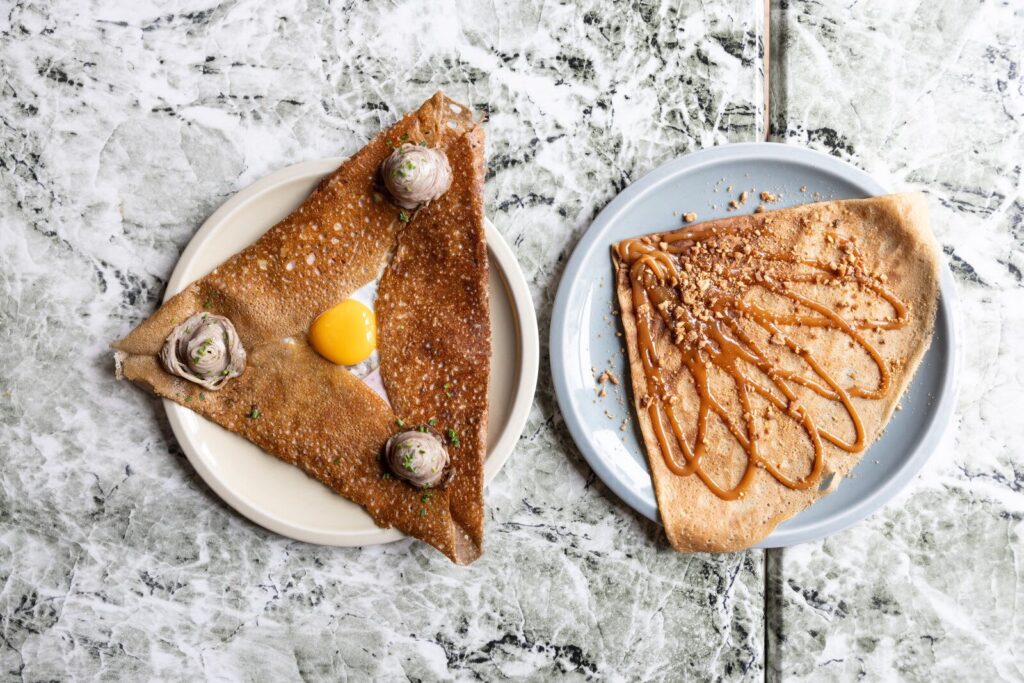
(423, 143)
(405, 136)
(423, 512)
(453, 438)
(404, 216)
(421, 428)
(399, 422)
(202, 396)
(407, 462)
(188, 399)
(336, 461)
(385, 475)
(203, 348)
(432, 422)
(426, 497)
(448, 390)
(254, 413)
(208, 302)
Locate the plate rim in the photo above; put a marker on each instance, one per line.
(928, 440)
(523, 389)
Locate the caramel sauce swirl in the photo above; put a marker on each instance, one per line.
(696, 280)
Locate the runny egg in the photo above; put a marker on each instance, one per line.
(345, 334)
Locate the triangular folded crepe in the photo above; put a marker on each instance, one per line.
(434, 334)
(768, 351)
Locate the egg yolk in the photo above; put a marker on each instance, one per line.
(345, 334)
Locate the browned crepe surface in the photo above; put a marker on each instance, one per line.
(435, 336)
(893, 237)
(313, 413)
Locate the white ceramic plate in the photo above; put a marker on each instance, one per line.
(278, 496)
(582, 331)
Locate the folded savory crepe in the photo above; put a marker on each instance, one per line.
(434, 334)
(768, 351)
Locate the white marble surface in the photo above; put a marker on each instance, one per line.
(124, 127)
(932, 586)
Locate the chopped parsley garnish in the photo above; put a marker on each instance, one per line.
(202, 396)
(423, 143)
(432, 422)
(453, 437)
(423, 512)
(426, 497)
(188, 398)
(404, 216)
(407, 462)
(421, 428)
(254, 413)
(201, 351)
(399, 422)
(208, 302)
(405, 136)
(336, 461)
(448, 389)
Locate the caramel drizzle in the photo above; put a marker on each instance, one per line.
(655, 279)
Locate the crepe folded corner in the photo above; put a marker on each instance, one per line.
(768, 351)
(433, 340)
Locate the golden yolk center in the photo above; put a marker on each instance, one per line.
(345, 334)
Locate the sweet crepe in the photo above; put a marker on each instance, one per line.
(768, 351)
(434, 334)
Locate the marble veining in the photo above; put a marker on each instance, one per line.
(123, 127)
(930, 587)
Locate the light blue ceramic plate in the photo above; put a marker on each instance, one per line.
(583, 330)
